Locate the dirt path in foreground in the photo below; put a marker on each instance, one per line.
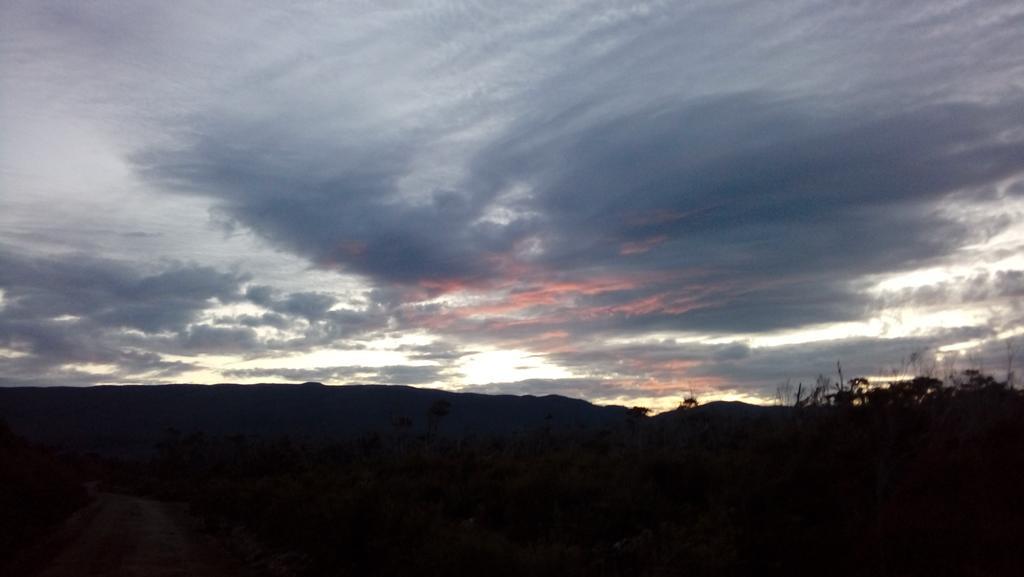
(123, 536)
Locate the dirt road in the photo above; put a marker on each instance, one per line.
(122, 536)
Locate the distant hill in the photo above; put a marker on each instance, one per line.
(129, 420)
(724, 410)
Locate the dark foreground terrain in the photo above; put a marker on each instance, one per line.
(125, 536)
(919, 477)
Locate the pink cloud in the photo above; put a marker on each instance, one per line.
(642, 246)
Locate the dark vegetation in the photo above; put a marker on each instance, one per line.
(916, 477)
(37, 490)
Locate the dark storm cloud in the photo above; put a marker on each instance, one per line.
(110, 293)
(781, 204)
(50, 352)
(346, 215)
(438, 351)
(264, 320)
(334, 328)
(213, 340)
(62, 310)
(310, 305)
(65, 309)
(394, 375)
(733, 187)
(323, 321)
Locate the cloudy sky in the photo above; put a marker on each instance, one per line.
(622, 201)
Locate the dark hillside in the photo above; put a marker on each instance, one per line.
(130, 420)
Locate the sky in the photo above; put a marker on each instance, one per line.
(627, 202)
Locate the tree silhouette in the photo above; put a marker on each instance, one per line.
(438, 410)
(633, 417)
